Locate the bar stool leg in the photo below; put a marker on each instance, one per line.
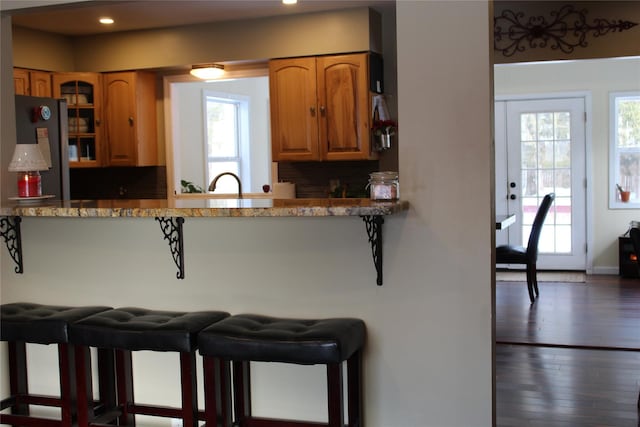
(242, 391)
(18, 375)
(66, 361)
(354, 386)
(106, 379)
(217, 386)
(189, 389)
(84, 386)
(335, 398)
(124, 381)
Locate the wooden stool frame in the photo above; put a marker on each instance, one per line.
(20, 399)
(125, 408)
(217, 406)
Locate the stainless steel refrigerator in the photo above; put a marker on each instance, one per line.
(44, 121)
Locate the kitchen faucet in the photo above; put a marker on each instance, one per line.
(212, 186)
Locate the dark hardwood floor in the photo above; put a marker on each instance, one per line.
(572, 358)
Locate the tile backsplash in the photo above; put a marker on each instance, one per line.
(316, 179)
(312, 179)
(148, 182)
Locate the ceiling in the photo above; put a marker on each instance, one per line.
(81, 18)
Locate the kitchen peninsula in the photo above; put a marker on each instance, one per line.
(203, 208)
(171, 213)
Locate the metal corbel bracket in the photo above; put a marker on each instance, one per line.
(374, 232)
(172, 230)
(10, 232)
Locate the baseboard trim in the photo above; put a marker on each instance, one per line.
(606, 270)
(571, 346)
(542, 276)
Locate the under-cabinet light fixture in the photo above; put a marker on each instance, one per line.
(207, 71)
(289, 1)
(106, 21)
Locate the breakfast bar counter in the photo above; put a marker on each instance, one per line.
(171, 215)
(188, 208)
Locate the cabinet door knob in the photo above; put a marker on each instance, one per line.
(323, 111)
(130, 121)
(312, 110)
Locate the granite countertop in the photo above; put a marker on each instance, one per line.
(201, 208)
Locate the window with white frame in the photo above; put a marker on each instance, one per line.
(227, 139)
(624, 169)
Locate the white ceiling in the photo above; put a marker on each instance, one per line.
(81, 18)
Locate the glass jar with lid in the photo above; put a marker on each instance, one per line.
(384, 186)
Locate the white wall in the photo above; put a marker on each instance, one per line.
(446, 169)
(598, 78)
(347, 30)
(428, 359)
(190, 127)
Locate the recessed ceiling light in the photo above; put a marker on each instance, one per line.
(289, 1)
(106, 21)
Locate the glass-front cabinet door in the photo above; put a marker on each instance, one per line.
(82, 91)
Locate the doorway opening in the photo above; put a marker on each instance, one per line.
(541, 149)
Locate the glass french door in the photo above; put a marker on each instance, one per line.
(540, 149)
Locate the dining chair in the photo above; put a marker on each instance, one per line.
(510, 254)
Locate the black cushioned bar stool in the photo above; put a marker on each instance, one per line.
(244, 338)
(129, 329)
(22, 323)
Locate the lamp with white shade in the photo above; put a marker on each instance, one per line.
(28, 161)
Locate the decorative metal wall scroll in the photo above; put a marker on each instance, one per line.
(374, 231)
(172, 230)
(567, 29)
(10, 232)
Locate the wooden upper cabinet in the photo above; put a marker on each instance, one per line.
(83, 93)
(320, 108)
(32, 82)
(343, 96)
(130, 118)
(294, 104)
(21, 81)
(40, 82)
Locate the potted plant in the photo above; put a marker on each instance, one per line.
(190, 187)
(624, 195)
